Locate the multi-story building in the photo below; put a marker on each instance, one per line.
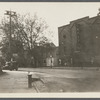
(79, 42)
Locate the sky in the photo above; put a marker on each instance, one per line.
(55, 14)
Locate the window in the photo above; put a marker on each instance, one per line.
(64, 36)
(96, 37)
(78, 36)
(78, 28)
(78, 42)
(62, 43)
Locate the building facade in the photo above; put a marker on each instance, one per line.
(51, 56)
(79, 42)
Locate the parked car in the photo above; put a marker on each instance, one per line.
(12, 65)
(6, 66)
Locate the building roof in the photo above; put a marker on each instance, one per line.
(86, 19)
(63, 27)
(80, 19)
(72, 23)
(93, 19)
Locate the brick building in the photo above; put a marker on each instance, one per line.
(79, 42)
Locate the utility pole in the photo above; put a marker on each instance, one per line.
(10, 14)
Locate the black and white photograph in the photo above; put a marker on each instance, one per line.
(49, 47)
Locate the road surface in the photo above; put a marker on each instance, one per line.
(51, 80)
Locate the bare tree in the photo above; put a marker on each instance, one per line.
(31, 30)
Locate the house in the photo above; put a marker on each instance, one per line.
(43, 56)
(52, 58)
(50, 55)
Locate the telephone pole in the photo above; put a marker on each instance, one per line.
(10, 14)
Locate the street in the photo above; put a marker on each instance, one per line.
(53, 80)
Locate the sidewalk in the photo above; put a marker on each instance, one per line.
(14, 82)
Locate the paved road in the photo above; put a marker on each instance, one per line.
(63, 80)
(94, 73)
(52, 80)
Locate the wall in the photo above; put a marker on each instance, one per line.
(82, 44)
(64, 43)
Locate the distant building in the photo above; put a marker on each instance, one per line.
(42, 56)
(51, 56)
(79, 42)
